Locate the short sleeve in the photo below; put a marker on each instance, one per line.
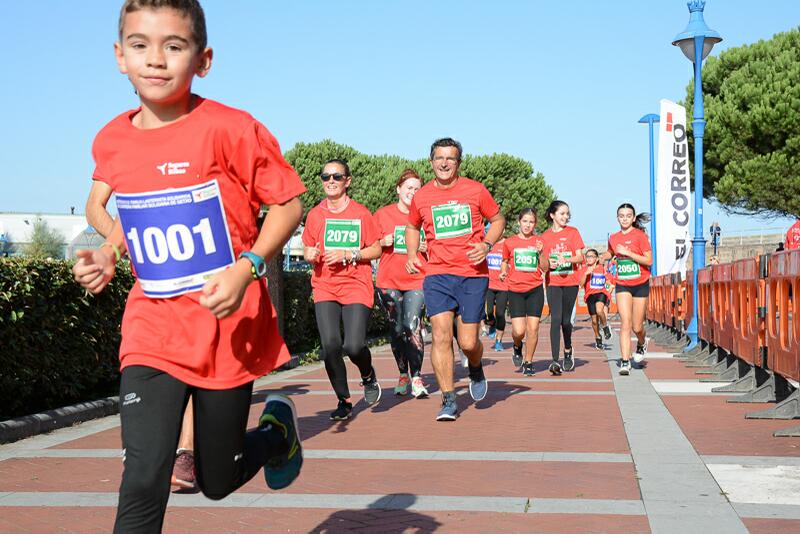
(578, 240)
(645, 243)
(610, 248)
(414, 218)
(258, 162)
(506, 250)
(371, 233)
(487, 204)
(101, 161)
(311, 230)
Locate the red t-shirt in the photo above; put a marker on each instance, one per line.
(523, 260)
(452, 220)
(353, 227)
(596, 282)
(494, 261)
(793, 237)
(630, 273)
(392, 272)
(568, 241)
(177, 335)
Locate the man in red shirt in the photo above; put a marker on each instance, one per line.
(451, 210)
(793, 236)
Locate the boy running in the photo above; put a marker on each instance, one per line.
(595, 293)
(451, 209)
(190, 175)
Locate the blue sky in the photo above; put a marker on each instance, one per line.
(561, 84)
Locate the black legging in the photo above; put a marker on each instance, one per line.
(151, 411)
(355, 317)
(498, 298)
(404, 312)
(561, 300)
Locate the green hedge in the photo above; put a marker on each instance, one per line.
(59, 346)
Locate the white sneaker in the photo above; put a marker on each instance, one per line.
(625, 368)
(641, 351)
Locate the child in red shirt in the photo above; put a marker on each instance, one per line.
(634, 256)
(341, 238)
(595, 294)
(496, 296)
(399, 291)
(190, 176)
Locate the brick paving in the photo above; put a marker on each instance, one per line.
(537, 455)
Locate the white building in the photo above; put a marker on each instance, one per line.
(17, 228)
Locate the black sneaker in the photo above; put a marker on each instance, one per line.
(527, 369)
(555, 368)
(280, 414)
(516, 357)
(569, 361)
(607, 332)
(372, 389)
(598, 343)
(342, 412)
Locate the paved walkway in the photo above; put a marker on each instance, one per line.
(586, 452)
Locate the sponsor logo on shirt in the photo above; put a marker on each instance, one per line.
(170, 168)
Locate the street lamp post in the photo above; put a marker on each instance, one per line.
(651, 119)
(696, 42)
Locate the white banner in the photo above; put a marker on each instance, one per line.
(673, 193)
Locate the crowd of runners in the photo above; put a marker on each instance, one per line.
(190, 176)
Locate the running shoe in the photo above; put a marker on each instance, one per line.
(478, 385)
(449, 410)
(607, 332)
(418, 389)
(280, 414)
(555, 368)
(342, 412)
(464, 359)
(598, 343)
(527, 369)
(183, 476)
(498, 345)
(641, 350)
(625, 368)
(516, 356)
(402, 385)
(569, 361)
(372, 389)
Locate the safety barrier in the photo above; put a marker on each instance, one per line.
(783, 325)
(722, 316)
(748, 310)
(705, 325)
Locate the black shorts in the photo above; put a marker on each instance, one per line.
(592, 300)
(528, 304)
(642, 291)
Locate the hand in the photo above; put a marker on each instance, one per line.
(332, 257)
(539, 246)
(312, 254)
(94, 269)
(413, 265)
(223, 294)
(423, 247)
(622, 250)
(387, 240)
(503, 275)
(478, 252)
(553, 262)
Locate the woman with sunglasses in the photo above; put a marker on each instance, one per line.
(631, 247)
(399, 292)
(595, 292)
(341, 238)
(563, 248)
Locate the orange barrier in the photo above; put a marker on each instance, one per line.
(659, 299)
(783, 324)
(705, 328)
(688, 301)
(747, 306)
(722, 317)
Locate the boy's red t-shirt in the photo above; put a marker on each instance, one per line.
(345, 284)
(596, 282)
(523, 258)
(569, 241)
(793, 237)
(630, 273)
(494, 260)
(392, 272)
(177, 335)
(452, 219)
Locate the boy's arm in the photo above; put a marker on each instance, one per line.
(95, 268)
(223, 294)
(96, 214)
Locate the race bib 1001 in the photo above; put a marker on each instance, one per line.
(598, 281)
(627, 269)
(342, 234)
(526, 259)
(176, 238)
(451, 220)
(494, 260)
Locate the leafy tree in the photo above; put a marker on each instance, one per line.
(752, 139)
(45, 242)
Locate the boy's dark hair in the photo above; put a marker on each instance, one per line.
(188, 8)
(593, 250)
(341, 162)
(445, 142)
(553, 208)
(639, 220)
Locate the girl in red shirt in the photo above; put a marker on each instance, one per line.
(522, 270)
(595, 293)
(399, 292)
(496, 296)
(632, 250)
(563, 248)
(341, 238)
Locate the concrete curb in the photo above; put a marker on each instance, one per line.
(41, 423)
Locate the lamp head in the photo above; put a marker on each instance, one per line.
(696, 28)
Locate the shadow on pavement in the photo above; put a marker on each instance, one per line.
(388, 514)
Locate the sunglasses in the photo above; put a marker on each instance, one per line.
(338, 177)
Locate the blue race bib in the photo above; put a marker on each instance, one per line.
(494, 260)
(598, 281)
(177, 238)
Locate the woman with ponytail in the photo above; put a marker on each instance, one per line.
(631, 247)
